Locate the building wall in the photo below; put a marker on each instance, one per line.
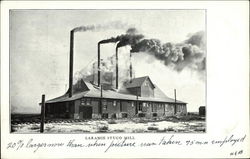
(111, 109)
(135, 91)
(181, 109)
(59, 110)
(86, 102)
(131, 109)
(147, 89)
(169, 109)
(76, 112)
(95, 109)
(119, 108)
(160, 109)
(147, 109)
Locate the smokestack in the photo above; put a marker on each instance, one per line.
(98, 65)
(111, 79)
(93, 73)
(116, 55)
(130, 67)
(71, 60)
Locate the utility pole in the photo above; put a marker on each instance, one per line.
(175, 106)
(101, 90)
(42, 114)
(100, 102)
(136, 106)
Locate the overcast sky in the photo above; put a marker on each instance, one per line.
(39, 50)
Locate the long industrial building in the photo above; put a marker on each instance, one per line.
(137, 98)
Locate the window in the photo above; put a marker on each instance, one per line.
(182, 107)
(166, 107)
(104, 104)
(88, 101)
(179, 108)
(149, 104)
(83, 101)
(105, 107)
(132, 104)
(114, 103)
(144, 104)
(154, 107)
(140, 107)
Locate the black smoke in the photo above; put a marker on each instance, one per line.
(197, 39)
(188, 54)
(130, 38)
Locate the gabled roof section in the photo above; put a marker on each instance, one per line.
(95, 92)
(137, 82)
(80, 86)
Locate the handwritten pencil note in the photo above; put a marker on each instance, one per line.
(112, 143)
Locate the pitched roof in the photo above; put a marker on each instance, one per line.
(137, 82)
(95, 92)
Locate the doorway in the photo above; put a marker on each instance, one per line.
(85, 112)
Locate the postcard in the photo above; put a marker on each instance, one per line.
(124, 79)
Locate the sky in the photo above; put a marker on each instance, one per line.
(39, 50)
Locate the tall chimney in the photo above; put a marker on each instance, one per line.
(93, 73)
(111, 79)
(130, 67)
(116, 55)
(71, 60)
(98, 65)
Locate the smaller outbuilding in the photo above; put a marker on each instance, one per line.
(202, 110)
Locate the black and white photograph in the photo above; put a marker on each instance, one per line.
(108, 71)
(124, 79)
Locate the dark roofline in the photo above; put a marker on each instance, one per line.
(116, 96)
(141, 100)
(178, 102)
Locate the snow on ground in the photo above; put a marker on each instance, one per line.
(113, 126)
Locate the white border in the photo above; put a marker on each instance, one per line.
(227, 89)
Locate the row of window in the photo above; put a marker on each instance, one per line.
(86, 101)
(154, 106)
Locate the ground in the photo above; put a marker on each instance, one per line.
(135, 125)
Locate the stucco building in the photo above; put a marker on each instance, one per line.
(138, 97)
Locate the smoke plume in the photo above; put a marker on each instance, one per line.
(197, 39)
(130, 38)
(110, 25)
(189, 54)
(107, 67)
